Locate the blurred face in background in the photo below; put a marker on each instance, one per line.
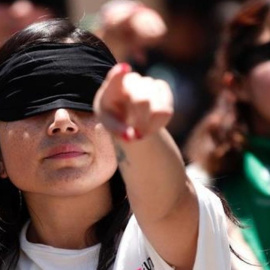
(17, 14)
(256, 90)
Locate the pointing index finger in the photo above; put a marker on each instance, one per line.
(116, 74)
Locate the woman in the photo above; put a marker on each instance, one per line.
(69, 117)
(232, 143)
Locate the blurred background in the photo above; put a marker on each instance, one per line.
(81, 7)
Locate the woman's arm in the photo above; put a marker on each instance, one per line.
(136, 110)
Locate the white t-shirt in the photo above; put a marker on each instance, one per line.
(135, 252)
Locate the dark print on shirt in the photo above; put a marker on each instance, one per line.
(147, 265)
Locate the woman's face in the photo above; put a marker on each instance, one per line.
(256, 90)
(61, 152)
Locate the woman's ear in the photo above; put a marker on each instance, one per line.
(238, 85)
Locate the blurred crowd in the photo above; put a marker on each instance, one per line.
(176, 44)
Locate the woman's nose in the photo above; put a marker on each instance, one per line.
(62, 123)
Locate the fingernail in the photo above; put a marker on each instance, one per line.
(125, 136)
(129, 134)
(124, 67)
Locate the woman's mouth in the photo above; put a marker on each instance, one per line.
(65, 152)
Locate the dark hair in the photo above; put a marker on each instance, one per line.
(218, 140)
(13, 210)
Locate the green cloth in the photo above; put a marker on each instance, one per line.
(248, 194)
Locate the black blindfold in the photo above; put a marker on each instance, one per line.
(50, 76)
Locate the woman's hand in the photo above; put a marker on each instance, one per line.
(131, 106)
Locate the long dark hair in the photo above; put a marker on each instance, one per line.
(13, 210)
(218, 141)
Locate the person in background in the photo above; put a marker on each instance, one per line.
(231, 145)
(17, 14)
(129, 28)
(176, 45)
(71, 120)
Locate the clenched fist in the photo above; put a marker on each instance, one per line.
(132, 106)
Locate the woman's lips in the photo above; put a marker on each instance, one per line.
(65, 151)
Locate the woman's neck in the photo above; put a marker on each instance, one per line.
(63, 222)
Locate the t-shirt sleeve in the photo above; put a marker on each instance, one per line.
(213, 252)
(136, 253)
